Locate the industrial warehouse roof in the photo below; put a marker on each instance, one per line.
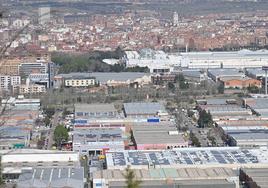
(52, 177)
(34, 155)
(225, 72)
(259, 176)
(97, 135)
(248, 134)
(143, 108)
(95, 108)
(216, 101)
(258, 72)
(227, 55)
(104, 77)
(7, 132)
(186, 157)
(257, 103)
(168, 177)
(226, 110)
(157, 135)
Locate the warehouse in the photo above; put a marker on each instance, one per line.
(256, 73)
(157, 136)
(235, 59)
(145, 110)
(258, 106)
(97, 141)
(231, 157)
(14, 161)
(170, 178)
(247, 137)
(254, 177)
(217, 74)
(95, 110)
(228, 112)
(52, 177)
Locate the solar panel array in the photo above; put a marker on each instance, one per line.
(186, 157)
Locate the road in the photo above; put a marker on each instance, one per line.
(55, 121)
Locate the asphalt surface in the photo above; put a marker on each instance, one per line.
(49, 139)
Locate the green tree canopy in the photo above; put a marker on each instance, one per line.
(60, 134)
(131, 180)
(205, 119)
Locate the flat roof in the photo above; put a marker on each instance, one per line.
(144, 108)
(52, 177)
(257, 103)
(104, 77)
(34, 155)
(182, 157)
(167, 173)
(258, 175)
(225, 72)
(95, 108)
(85, 136)
(156, 135)
(256, 71)
(249, 134)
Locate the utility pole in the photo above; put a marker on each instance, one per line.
(265, 68)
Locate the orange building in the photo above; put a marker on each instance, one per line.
(243, 82)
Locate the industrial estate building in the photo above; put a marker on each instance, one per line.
(97, 141)
(52, 177)
(154, 136)
(13, 162)
(170, 178)
(145, 110)
(231, 157)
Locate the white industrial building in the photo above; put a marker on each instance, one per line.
(96, 141)
(237, 59)
(14, 161)
(159, 61)
(214, 157)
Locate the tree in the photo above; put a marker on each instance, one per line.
(60, 134)
(205, 119)
(253, 89)
(182, 82)
(47, 121)
(131, 180)
(171, 86)
(194, 139)
(221, 88)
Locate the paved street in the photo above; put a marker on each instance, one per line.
(49, 140)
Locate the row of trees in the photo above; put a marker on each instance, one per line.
(92, 62)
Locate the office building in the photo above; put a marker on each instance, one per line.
(25, 69)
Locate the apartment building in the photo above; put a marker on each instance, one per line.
(79, 82)
(7, 82)
(32, 89)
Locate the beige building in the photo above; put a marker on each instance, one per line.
(79, 82)
(32, 88)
